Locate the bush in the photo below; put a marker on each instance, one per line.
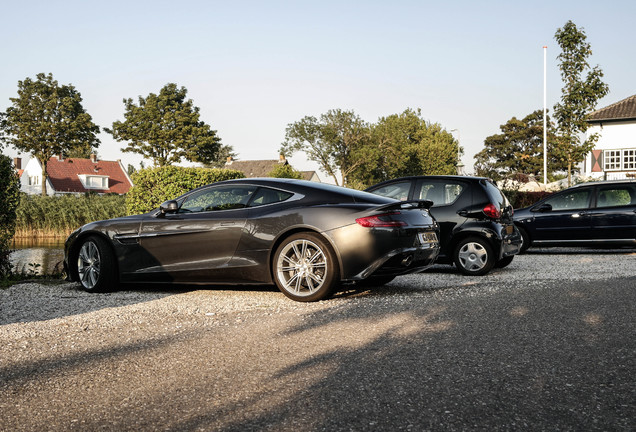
(520, 199)
(156, 185)
(285, 171)
(9, 197)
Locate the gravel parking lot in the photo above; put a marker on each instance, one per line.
(546, 343)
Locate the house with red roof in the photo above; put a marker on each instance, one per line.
(74, 176)
(614, 154)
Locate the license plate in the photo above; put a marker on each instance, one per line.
(427, 237)
(509, 229)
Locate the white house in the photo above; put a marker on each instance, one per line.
(614, 155)
(74, 176)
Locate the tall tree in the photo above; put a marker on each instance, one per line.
(166, 128)
(406, 144)
(333, 141)
(519, 149)
(579, 95)
(9, 200)
(47, 120)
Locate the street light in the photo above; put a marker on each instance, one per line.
(460, 165)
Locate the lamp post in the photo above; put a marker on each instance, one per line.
(460, 165)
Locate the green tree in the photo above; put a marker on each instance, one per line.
(47, 120)
(166, 128)
(405, 144)
(9, 200)
(579, 95)
(518, 149)
(334, 141)
(285, 171)
(225, 152)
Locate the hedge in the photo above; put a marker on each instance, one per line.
(152, 186)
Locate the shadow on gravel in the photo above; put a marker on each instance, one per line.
(29, 302)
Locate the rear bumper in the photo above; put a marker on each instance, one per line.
(402, 261)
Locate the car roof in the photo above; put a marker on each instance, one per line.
(434, 177)
(602, 182)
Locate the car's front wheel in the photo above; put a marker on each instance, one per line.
(305, 268)
(96, 265)
(525, 240)
(474, 256)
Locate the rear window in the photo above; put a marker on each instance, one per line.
(495, 195)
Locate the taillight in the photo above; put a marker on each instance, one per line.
(382, 220)
(492, 211)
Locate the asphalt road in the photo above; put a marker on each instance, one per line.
(547, 343)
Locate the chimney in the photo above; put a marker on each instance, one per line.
(93, 158)
(17, 163)
(229, 160)
(281, 159)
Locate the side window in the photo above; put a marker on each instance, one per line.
(268, 196)
(579, 199)
(217, 198)
(398, 191)
(613, 196)
(440, 192)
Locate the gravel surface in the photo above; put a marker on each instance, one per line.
(546, 343)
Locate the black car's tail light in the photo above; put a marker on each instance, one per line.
(492, 211)
(384, 220)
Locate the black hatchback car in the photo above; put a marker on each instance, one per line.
(475, 218)
(589, 214)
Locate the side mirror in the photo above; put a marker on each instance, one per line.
(169, 207)
(543, 208)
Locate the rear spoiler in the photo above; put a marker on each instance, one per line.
(411, 204)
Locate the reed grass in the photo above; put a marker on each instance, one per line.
(57, 216)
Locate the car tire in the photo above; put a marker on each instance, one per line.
(305, 268)
(525, 239)
(474, 256)
(96, 265)
(504, 262)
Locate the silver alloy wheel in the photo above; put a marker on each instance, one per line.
(302, 267)
(473, 256)
(88, 265)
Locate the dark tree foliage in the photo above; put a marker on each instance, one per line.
(166, 128)
(519, 149)
(9, 200)
(47, 120)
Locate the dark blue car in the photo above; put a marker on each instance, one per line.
(588, 214)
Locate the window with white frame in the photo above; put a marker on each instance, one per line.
(94, 182)
(629, 159)
(619, 159)
(612, 159)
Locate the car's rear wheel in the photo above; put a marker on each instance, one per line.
(305, 267)
(96, 265)
(504, 262)
(473, 256)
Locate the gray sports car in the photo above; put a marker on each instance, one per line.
(305, 237)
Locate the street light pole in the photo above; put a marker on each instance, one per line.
(545, 127)
(460, 165)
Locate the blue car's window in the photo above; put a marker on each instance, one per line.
(217, 198)
(614, 196)
(441, 192)
(268, 196)
(574, 200)
(398, 191)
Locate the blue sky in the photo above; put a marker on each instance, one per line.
(254, 67)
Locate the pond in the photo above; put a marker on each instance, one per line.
(28, 253)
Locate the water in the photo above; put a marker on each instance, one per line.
(49, 254)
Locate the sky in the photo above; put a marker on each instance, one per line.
(254, 67)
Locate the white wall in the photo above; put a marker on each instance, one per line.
(619, 135)
(34, 169)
